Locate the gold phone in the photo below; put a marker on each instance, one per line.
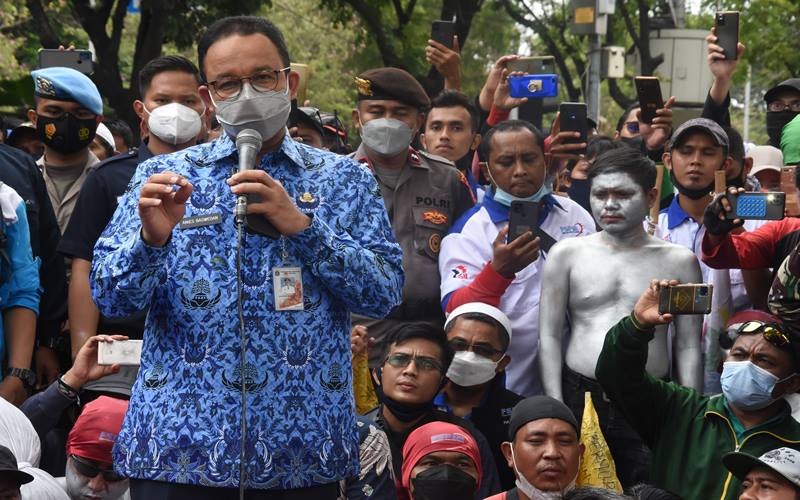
(685, 299)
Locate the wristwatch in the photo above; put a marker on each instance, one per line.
(28, 377)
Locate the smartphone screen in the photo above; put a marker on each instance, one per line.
(443, 32)
(574, 119)
(649, 92)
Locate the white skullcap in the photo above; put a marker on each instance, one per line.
(480, 307)
(104, 133)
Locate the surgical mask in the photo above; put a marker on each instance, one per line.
(747, 386)
(78, 486)
(535, 493)
(504, 198)
(386, 136)
(265, 112)
(443, 481)
(469, 369)
(66, 134)
(174, 123)
(776, 120)
(694, 194)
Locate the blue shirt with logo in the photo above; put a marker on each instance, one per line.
(183, 425)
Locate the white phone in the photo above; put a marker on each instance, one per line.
(122, 352)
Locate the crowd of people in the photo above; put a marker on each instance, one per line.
(369, 328)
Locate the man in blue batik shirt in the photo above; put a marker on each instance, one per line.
(171, 246)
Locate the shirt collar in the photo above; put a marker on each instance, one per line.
(675, 214)
(224, 146)
(499, 213)
(144, 152)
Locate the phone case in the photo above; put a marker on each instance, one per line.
(523, 217)
(443, 32)
(79, 60)
(534, 86)
(685, 299)
(757, 206)
(119, 352)
(649, 92)
(727, 30)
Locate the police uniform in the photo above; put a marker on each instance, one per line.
(430, 194)
(65, 84)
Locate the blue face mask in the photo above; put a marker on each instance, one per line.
(505, 198)
(747, 386)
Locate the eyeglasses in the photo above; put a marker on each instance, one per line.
(263, 81)
(485, 351)
(424, 363)
(771, 332)
(778, 106)
(88, 469)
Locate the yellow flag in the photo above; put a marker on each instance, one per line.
(366, 399)
(597, 466)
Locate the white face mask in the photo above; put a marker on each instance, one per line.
(78, 486)
(535, 493)
(174, 123)
(264, 112)
(386, 136)
(469, 369)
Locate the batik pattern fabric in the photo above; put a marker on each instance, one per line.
(183, 425)
(376, 479)
(784, 297)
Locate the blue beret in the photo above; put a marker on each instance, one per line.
(66, 84)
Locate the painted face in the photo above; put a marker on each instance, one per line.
(80, 487)
(618, 203)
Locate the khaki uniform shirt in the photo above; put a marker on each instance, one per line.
(431, 194)
(63, 208)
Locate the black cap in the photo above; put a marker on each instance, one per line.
(537, 408)
(8, 467)
(392, 84)
(710, 127)
(310, 116)
(790, 84)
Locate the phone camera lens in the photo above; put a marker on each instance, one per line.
(720, 20)
(703, 291)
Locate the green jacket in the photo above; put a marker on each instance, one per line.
(687, 432)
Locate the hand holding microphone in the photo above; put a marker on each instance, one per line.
(273, 201)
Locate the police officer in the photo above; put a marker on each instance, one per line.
(172, 117)
(424, 193)
(68, 110)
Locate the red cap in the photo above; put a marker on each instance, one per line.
(438, 436)
(94, 433)
(752, 315)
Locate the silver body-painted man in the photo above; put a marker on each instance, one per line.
(597, 279)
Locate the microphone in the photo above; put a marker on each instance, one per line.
(248, 144)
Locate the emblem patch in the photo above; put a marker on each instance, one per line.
(83, 133)
(45, 87)
(435, 242)
(460, 272)
(49, 130)
(435, 217)
(307, 201)
(363, 86)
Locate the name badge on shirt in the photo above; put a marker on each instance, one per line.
(287, 283)
(201, 220)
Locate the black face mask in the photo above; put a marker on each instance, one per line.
(634, 142)
(694, 194)
(66, 134)
(443, 481)
(405, 412)
(579, 192)
(776, 120)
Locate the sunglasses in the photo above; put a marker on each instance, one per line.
(633, 127)
(424, 363)
(771, 333)
(484, 351)
(89, 469)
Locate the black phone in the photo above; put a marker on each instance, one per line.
(523, 217)
(757, 206)
(443, 32)
(574, 119)
(80, 60)
(649, 92)
(727, 31)
(258, 224)
(685, 299)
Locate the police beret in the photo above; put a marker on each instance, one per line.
(66, 84)
(391, 83)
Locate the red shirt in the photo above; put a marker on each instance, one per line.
(764, 247)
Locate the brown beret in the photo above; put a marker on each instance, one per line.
(391, 83)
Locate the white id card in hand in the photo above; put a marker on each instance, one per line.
(287, 283)
(119, 352)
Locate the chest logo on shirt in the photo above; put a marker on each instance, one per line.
(434, 217)
(307, 201)
(460, 272)
(432, 202)
(576, 229)
(201, 290)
